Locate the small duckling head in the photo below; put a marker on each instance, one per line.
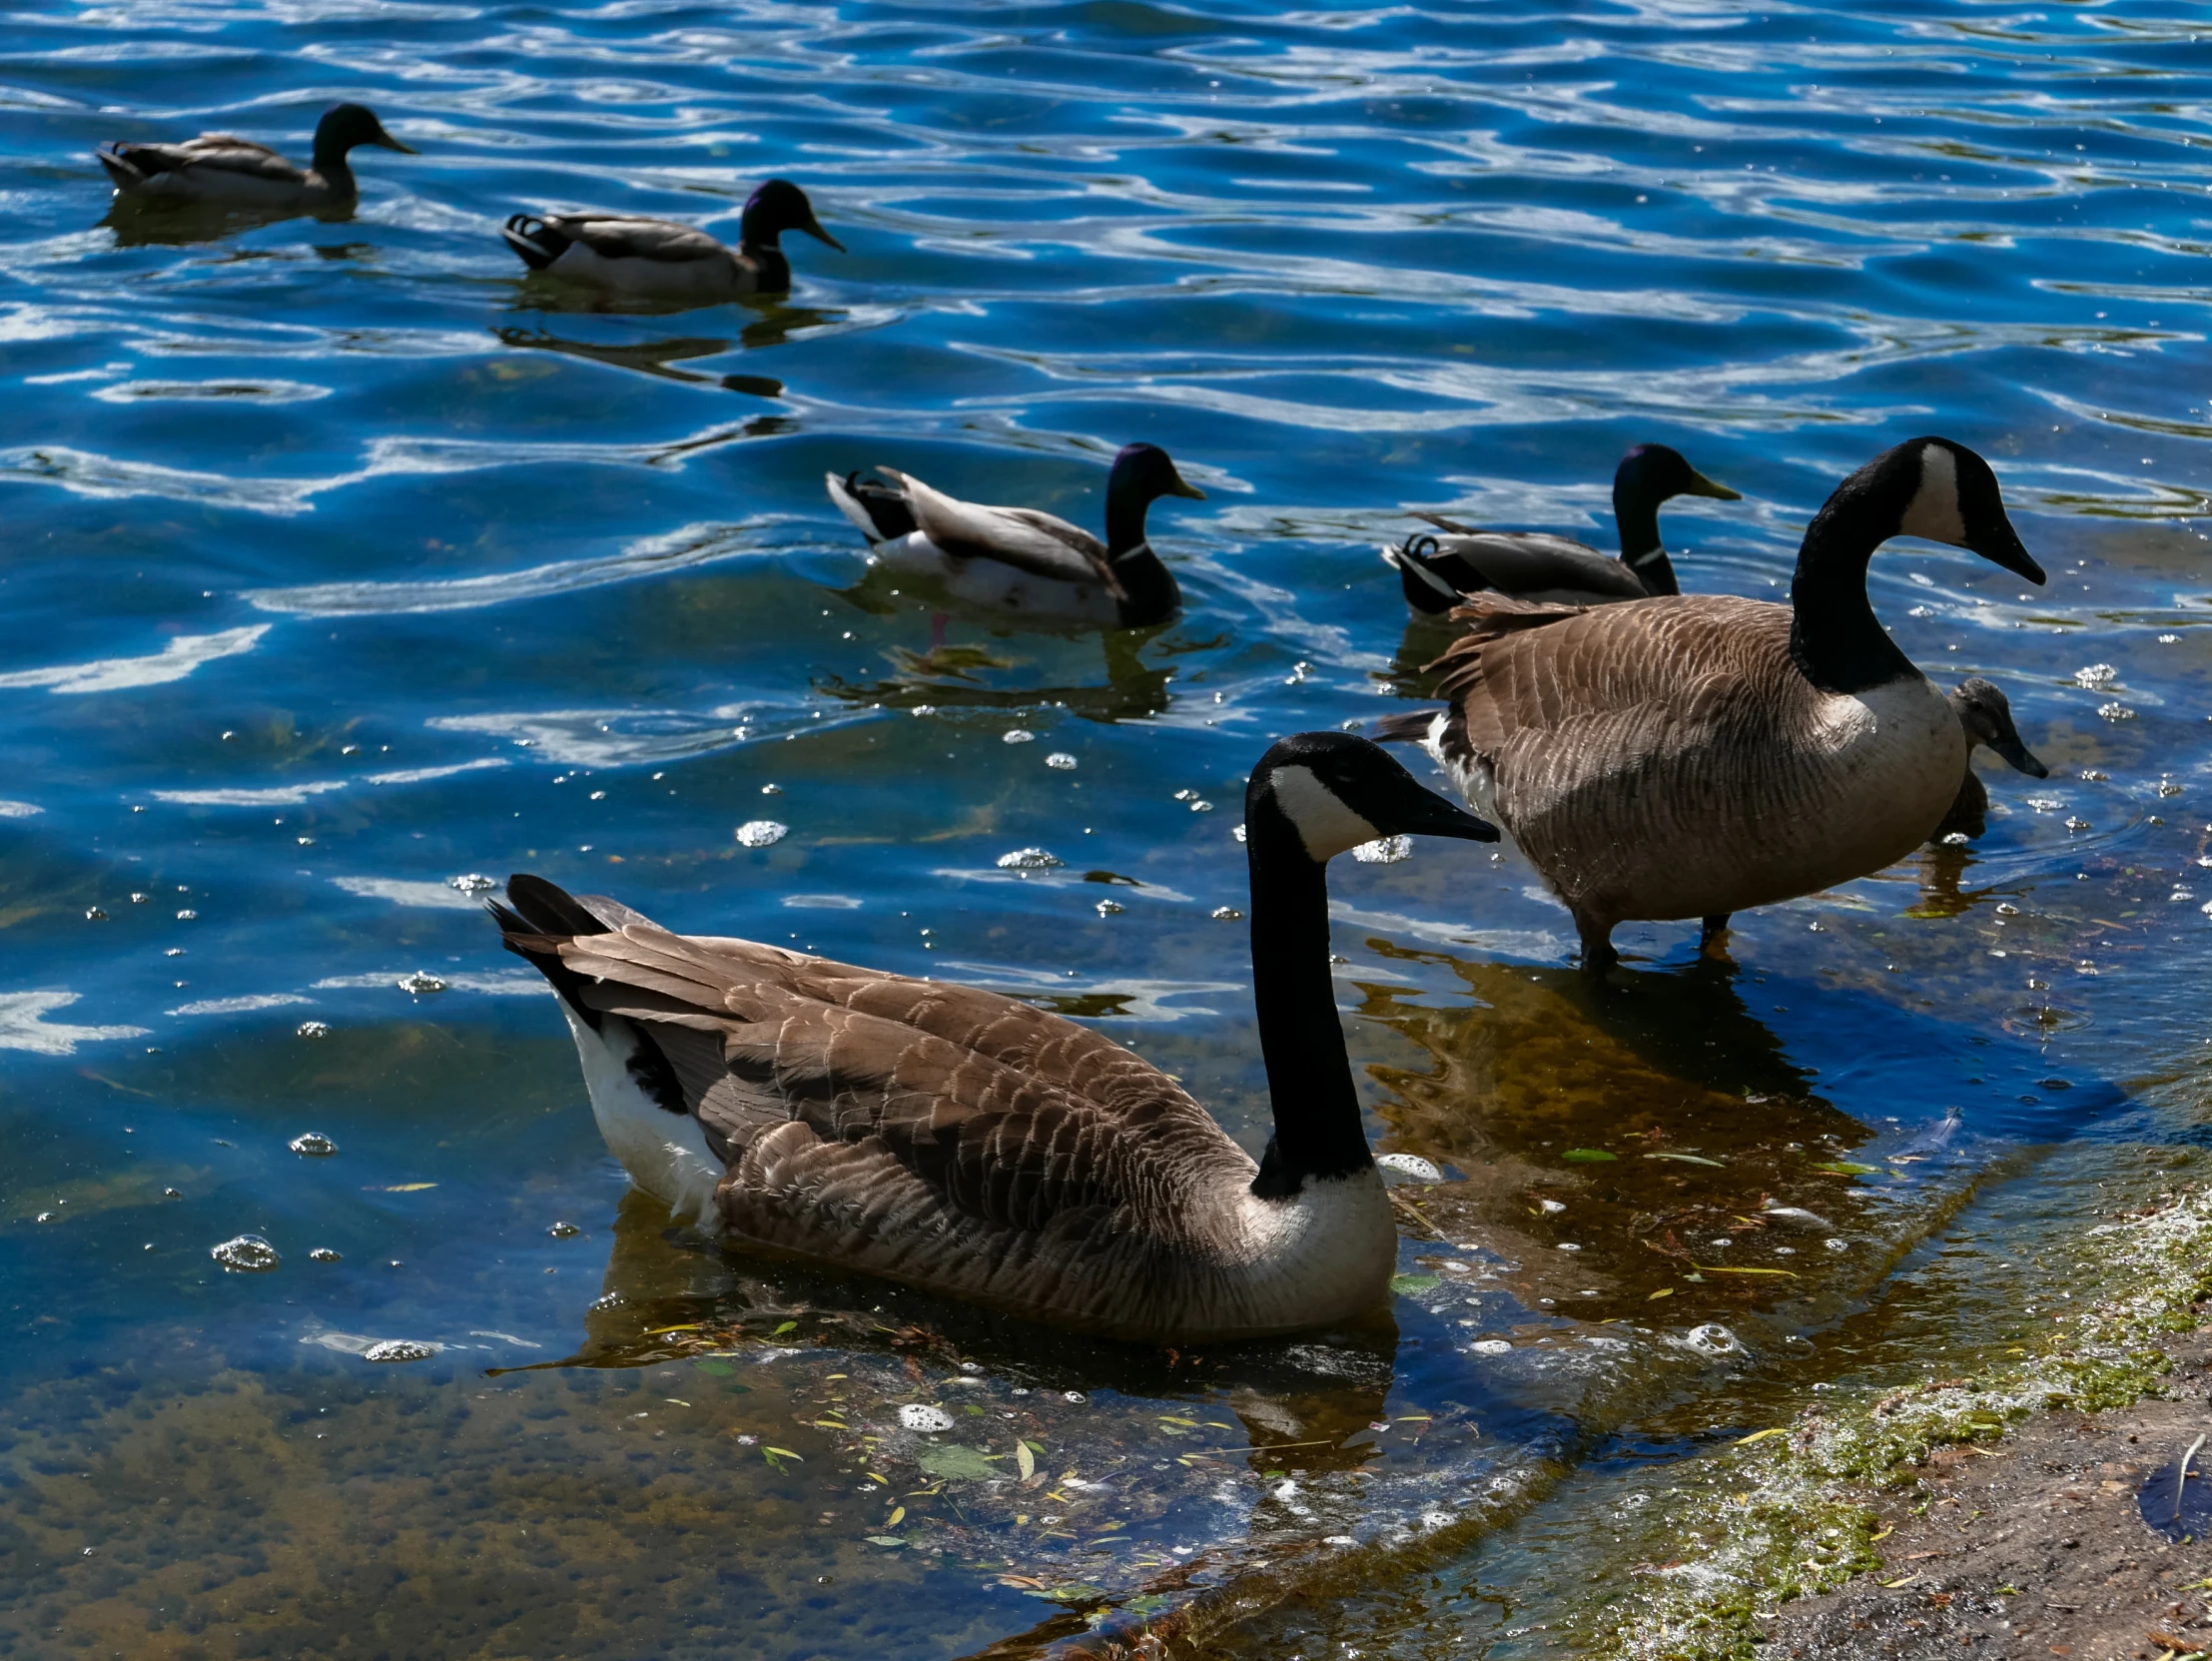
(1940, 490)
(776, 207)
(1657, 473)
(345, 126)
(1986, 714)
(1325, 793)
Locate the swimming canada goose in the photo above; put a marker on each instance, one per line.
(1985, 716)
(657, 259)
(222, 170)
(973, 1144)
(1689, 756)
(1437, 572)
(1019, 559)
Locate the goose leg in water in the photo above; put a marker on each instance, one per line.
(1712, 936)
(1598, 954)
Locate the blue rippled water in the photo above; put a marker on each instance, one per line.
(343, 562)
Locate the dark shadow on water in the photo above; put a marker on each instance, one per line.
(137, 224)
(654, 358)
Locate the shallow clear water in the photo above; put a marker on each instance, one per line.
(344, 563)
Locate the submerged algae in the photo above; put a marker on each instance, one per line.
(1791, 1514)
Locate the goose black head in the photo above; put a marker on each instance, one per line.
(1332, 791)
(345, 126)
(1656, 473)
(1986, 714)
(1942, 490)
(776, 207)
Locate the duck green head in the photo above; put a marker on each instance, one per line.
(346, 125)
(1648, 476)
(776, 207)
(1141, 474)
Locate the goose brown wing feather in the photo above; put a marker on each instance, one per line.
(1008, 1115)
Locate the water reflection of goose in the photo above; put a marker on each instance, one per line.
(657, 259)
(973, 1144)
(1438, 572)
(1019, 560)
(1689, 757)
(220, 169)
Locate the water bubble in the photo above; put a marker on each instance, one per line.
(2116, 712)
(1018, 735)
(43, 1216)
(1713, 1339)
(2096, 675)
(93, 914)
(1227, 914)
(1073, 1398)
(1030, 859)
(322, 1255)
(1384, 850)
(771, 790)
(420, 983)
(2169, 640)
(140, 899)
(311, 1141)
(1238, 833)
(188, 915)
(1410, 1165)
(564, 1231)
(472, 882)
(1836, 1243)
(314, 1029)
(1111, 908)
(400, 1349)
(1490, 1347)
(1950, 839)
(761, 833)
(1199, 805)
(920, 1415)
(246, 1254)
(1061, 761)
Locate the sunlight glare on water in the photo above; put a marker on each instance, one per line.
(344, 559)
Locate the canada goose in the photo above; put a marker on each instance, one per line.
(222, 170)
(1437, 572)
(657, 259)
(1019, 559)
(1688, 756)
(1985, 716)
(971, 1144)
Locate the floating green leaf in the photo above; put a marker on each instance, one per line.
(1689, 1158)
(1847, 1167)
(883, 1540)
(955, 1461)
(1405, 1286)
(1073, 1592)
(1587, 1155)
(787, 1326)
(720, 1369)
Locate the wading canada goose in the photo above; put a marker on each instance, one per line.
(1985, 716)
(1019, 559)
(1437, 572)
(971, 1144)
(1692, 755)
(224, 171)
(657, 259)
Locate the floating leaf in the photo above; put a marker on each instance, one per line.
(1847, 1167)
(719, 1369)
(1024, 1461)
(1073, 1592)
(1663, 1292)
(1587, 1155)
(1762, 1435)
(685, 1326)
(1689, 1158)
(1710, 1269)
(1405, 1286)
(787, 1326)
(785, 1453)
(898, 1515)
(954, 1459)
(884, 1540)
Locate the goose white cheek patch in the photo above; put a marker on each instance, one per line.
(1323, 823)
(1933, 512)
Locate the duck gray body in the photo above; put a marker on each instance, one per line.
(1688, 756)
(971, 1144)
(222, 170)
(661, 260)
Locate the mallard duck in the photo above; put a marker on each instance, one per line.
(225, 171)
(977, 1145)
(1437, 572)
(1688, 756)
(658, 259)
(1021, 561)
(1985, 716)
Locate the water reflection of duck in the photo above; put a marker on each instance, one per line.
(220, 169)
(973, 1144)
(951, 676)
(654, 358)
(1689, 756)
(657, 259)
(1019, 560)
(1437, 572)
(1985, 716)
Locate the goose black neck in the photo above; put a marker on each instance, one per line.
(1148, 587)
(1310, 1077)
(1835, 637)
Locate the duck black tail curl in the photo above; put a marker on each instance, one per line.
(537, 243)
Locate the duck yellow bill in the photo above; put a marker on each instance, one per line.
(389, 143)
(1183, 487)
(813, 228)
(1700, 485)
